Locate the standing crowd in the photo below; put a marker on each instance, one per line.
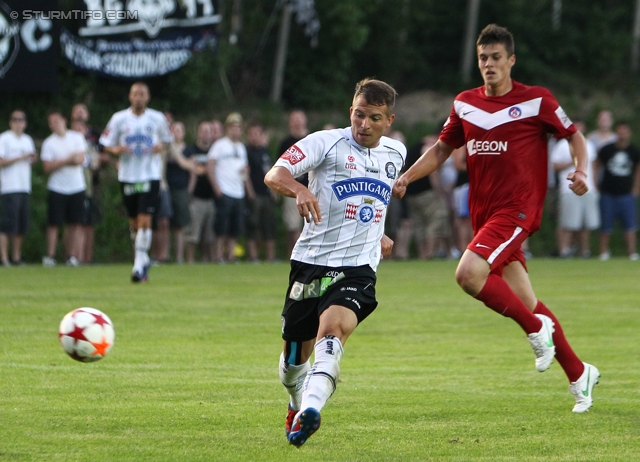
(212, 192)
(207, 195)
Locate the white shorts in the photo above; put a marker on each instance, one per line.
(578, 212)
(290, 215)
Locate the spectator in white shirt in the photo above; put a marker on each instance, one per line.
(17, 153)
(63, 155)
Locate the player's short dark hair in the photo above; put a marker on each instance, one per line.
(494, 34)
(376, 93)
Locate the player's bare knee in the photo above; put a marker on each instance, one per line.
(470, 281)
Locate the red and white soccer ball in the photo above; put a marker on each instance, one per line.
(86, 334)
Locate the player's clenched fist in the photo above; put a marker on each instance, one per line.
(400, 187)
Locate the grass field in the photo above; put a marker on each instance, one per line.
(431, 375)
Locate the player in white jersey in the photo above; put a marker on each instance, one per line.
(17, 153)
(332, 280)
(137, 136)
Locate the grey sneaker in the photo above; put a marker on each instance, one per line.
(73, 261)
(542, 343)
(582, 389)
(48, 262)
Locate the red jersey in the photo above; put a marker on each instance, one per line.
(506, 141)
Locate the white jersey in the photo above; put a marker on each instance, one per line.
(140, 134)
(231, 165)
(353, 186)
(562, 154)
(15, 178)
(70, 178)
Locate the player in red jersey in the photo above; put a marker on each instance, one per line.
(504, 125)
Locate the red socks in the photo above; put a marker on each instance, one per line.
(498, 296)
(571, 364)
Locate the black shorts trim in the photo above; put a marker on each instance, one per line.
(312, 289)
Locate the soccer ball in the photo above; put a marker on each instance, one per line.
(86, 334)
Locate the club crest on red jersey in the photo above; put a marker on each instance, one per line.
(515, 112)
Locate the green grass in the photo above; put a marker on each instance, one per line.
(431, 375)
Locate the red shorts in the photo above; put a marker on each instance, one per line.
(499, 242)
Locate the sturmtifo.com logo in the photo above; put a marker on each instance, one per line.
(9, 39)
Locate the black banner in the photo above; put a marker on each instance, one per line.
(28, 46)
(134, 39)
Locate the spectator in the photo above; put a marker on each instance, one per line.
(17, 153)
(63, 154)
(218, 129)
(603, 134)
(138, 135)
(80, 112)
(462, 219)
(577, 215)
(161, 222)
(619, 188)
(427, 205)
(292, 220)
(399, 225)
(261, 220)
(92, 212)
(178, 171)
(448, 176)
(201, 206)
(228, 170)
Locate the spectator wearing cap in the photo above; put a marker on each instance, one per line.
(228, 171)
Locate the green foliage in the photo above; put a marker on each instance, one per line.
(323, 76)
(431, 375)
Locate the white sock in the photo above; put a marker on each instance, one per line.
(142, 245)
(323, 376)
(293, 378)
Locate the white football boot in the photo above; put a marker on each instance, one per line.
(582, 389)
(542, 343)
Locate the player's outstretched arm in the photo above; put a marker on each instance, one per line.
(428, 162)
(578, 178)
(282, 181)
